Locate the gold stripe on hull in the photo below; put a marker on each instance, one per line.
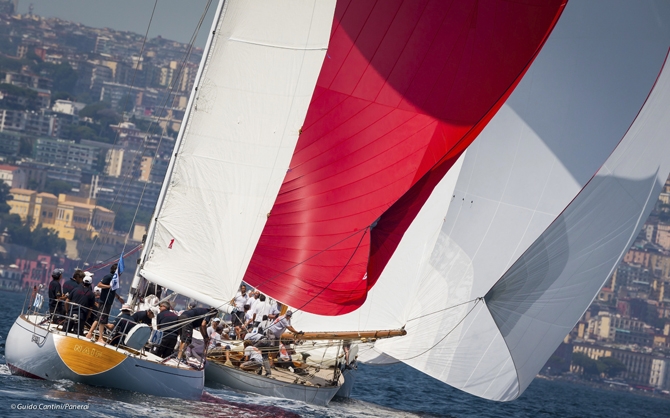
(84, 357)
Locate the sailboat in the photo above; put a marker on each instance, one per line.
(41, 346)
(512, 244)
(268, 102)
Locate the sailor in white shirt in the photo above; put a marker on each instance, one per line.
(215, 338)
(239, 301)
(253, 357)
(252, 300)
(261, 308)
(212, 326)
(240, 298)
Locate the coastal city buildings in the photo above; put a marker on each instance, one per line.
(87, 128)
(629, 320)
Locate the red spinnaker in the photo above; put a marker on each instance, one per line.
(405, 87)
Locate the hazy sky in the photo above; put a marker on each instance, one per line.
(174, 19)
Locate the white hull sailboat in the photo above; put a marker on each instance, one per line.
(45, 352)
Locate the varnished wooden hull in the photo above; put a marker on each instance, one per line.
(349, 376)
(34, 352)
(249, 382)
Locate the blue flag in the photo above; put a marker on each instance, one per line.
(121, 266)
(119, 270)
(115, 281)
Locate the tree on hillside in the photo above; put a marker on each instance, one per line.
(26, 147)
(57, 187)
(4, 197)
(124, 219)
(91, 110)
(126, 104)
(46, 240)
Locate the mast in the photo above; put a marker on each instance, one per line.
(177, 146)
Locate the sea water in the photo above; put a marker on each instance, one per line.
(389, 391)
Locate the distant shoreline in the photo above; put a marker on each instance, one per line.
(573, 379)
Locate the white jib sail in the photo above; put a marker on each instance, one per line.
(559, 127)
(245, 115)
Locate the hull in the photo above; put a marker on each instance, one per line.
(34, 352)
(248, 382)
(349, 380)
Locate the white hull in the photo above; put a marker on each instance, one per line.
(32, 351)
(249, 382)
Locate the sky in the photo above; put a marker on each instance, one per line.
(174, 19)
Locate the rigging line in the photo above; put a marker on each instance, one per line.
(170, 92)
(116, 138)
(365, 231)
(167, 99)
(442, 310)
(183, 122)
(479, 299)
(125, 185)
(113, 259)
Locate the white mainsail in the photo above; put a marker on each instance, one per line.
(244, 117)
(525, 227)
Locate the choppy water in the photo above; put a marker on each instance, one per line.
(392, 391)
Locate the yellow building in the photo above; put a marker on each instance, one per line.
(22, 202)
(70, 216)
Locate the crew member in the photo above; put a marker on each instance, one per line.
(107, 296)
(201, 317)
(166, 321)
(55, 293)
(82, 302)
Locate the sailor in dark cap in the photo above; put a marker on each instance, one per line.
(166, 321)
(55, 293)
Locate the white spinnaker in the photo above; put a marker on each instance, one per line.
(252, 96)
(557, 129)
(555, 132)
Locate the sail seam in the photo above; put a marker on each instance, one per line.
(265, 44)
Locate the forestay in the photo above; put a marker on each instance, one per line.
(245, 114)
